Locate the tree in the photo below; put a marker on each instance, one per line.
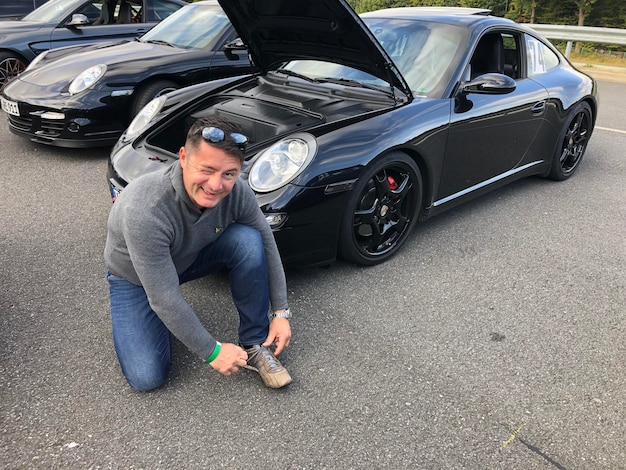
(607, 14)
(584, 8)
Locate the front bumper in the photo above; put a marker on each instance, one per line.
(96, 122)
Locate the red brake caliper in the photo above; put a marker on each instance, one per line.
(393, 185)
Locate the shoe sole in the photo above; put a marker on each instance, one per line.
(266, 382)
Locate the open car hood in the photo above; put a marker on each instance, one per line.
(277, 31)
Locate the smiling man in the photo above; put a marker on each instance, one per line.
(192, 220)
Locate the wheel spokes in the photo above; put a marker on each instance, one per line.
(384, 213)
(9, 68)
(574, 143)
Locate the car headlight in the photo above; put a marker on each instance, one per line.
(282, 162)
(143, 118)
(87, 78)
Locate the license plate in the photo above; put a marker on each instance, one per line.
(10, 107)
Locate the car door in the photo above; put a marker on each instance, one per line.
(490, 135)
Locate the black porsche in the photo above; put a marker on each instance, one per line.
(85, 96)
(59, 23)
(359, 127)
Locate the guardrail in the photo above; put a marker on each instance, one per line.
(571, 34)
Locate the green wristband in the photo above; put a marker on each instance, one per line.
(216, 351)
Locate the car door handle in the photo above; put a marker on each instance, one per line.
(538, 108)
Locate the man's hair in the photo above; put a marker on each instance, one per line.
(194, 136)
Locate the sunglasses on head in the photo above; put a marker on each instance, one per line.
(215, 134)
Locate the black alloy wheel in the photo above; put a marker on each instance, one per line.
(572, 142)
(382, 210)
(10, 67)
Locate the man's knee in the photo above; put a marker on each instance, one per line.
(249, 243)
(145, 380)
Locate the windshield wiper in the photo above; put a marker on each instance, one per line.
(291, 73)
(355, 83)
(160, 41)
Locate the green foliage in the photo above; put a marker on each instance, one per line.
(603, 13)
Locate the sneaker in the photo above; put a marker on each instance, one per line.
(263, 361)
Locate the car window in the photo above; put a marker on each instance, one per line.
(512, 55)
(425, 53)
(102, 12)
(161, 9)
(200, 27)
(497, 52)
(320, 70)
(539, 57)
(51, 11)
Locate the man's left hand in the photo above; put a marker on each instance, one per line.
(280, 334)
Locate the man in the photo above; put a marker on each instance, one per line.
(173, 226)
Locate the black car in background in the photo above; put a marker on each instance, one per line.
(86, 96)
(359, 127)
(16, 9)
(59, 23)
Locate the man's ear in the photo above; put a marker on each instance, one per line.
(182, 156)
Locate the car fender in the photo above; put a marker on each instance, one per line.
(421, 133)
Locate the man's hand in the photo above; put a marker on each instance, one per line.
(280, 334)
(230, 359)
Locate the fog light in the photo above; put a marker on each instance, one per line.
(73, 127)
(275, 220)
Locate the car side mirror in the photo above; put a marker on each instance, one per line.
(235, 45)
(78, 19)
(489, 84)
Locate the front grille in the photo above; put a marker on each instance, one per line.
(51, 128)
(34, 124)
(22, 123)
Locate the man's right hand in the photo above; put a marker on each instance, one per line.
(230, 359)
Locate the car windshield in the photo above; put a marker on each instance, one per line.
(426, 54)
(52, 11)
(197, 27)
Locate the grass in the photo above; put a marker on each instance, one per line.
(592, 59)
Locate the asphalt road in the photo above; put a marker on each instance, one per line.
(494, 341)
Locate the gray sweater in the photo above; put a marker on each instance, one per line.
(155, 233)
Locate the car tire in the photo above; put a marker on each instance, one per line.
(10, 66)
(149, 91)
(572, 142)
(382, 209)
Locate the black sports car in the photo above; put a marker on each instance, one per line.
(360, 127)
(86, 96)
(59, 23)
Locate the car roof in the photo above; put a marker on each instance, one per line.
(466, 17)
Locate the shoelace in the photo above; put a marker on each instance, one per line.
(267, 357)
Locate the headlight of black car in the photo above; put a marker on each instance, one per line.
(87, 78)
(282, 162)
(143, 118)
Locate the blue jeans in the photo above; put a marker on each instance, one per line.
(142, 341)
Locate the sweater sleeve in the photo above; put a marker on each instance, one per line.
(156, 270)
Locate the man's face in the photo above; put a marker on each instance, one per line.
(209, 174)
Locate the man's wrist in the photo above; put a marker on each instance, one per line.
(286, 313)
(216, 351)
